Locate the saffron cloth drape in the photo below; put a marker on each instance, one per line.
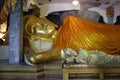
(78, 33)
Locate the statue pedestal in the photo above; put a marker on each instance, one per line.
(20, 71)
(97, 72)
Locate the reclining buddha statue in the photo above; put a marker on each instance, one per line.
(91, 42)
(74, 33)
(49, 44)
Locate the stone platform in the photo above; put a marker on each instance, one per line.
(95, 72)
(22, 71)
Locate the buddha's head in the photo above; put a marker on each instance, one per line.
(40, 32)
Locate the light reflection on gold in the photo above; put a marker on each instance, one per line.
(42, 57)
(38, 29)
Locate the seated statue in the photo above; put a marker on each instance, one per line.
(4, 17)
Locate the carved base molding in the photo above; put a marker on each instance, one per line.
(57, 71)
(22, 71)
(75, 71)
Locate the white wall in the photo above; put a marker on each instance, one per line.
(48, 8)
(4, 52)
(102, 11)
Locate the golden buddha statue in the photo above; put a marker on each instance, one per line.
(40, 33)
(74, 33)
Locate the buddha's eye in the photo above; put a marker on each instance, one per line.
(45, 26)
(39, 24)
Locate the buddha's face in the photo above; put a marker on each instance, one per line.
(40, 26)
(43, 29)
(42, 33)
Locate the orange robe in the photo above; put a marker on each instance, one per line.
(78, 33)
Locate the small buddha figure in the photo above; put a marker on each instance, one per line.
(3, 29)
(4, 15)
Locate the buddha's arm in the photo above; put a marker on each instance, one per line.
(41, 57)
